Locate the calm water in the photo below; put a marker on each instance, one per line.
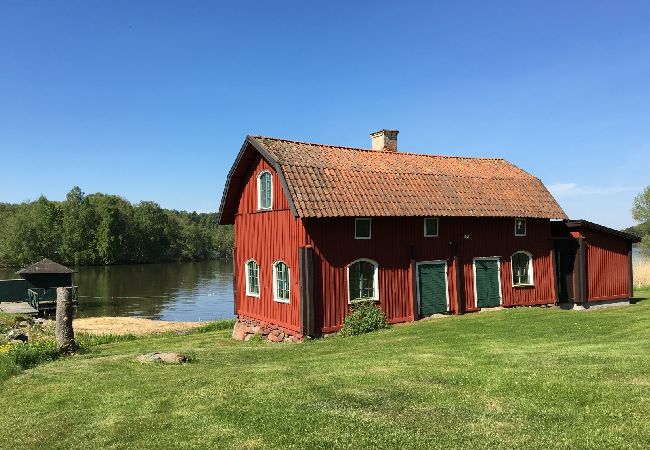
(197, 291)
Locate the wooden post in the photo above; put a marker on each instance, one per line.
(64, 311)
(307, 311)
(630, 274)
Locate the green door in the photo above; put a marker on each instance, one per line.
(487, 283)
(432, 288)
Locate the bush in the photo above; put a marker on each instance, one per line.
(30, 355)
(363, 318)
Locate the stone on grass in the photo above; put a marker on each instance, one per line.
(16, 335)
(163, 357)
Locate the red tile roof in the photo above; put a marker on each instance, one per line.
(331, 181)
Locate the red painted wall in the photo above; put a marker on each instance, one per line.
(607, 263)
(390, 246)
(267, 236)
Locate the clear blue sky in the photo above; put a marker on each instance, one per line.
(151, 100)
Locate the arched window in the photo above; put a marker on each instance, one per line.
(252, 278)
(522, 269)
(264, 190)
(363, 280)
(280, 282)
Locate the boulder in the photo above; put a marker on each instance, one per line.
(16, 335)
(275, 336)
(239, 331)
(163, 357)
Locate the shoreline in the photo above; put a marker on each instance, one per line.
(130, 325)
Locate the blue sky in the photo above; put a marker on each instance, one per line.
(151, 100)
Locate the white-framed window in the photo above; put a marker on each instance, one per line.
(363, 280)
(264, 190)
(252, 278)
(280, 282)
(362, 228)
(522, 268)
(431, 227)
(520, 227)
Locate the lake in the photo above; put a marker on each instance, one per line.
(196, 291)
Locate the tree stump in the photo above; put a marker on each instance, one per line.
(64, 310)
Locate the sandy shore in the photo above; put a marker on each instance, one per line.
(129, 325)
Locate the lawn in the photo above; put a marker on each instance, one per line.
(525, 377)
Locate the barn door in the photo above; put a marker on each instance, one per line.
(432, 287)
(486, 282)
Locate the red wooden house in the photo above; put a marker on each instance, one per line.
(320, 227)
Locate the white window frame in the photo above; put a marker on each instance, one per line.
(246, 275)
(259, 191)
(525, 226)
(355, 228)
(375, 281)
(424, 222)
(417, 275)
(498, 260)
(530, 269)
(275, 282)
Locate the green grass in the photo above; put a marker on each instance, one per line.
(527, 377)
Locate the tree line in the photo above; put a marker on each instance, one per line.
(641, 213)
(98, 229)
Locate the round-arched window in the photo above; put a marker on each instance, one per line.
(522, 269)
(362, 280)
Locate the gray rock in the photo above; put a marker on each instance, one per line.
(16, 335)
(163, 357)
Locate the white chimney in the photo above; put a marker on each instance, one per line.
(384, 140)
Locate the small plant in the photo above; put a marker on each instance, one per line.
(31, 354)
(364, 317)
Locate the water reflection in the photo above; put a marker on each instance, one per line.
(197, 291)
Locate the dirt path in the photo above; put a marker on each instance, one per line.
(129, 325)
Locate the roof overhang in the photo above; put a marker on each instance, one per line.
(238, 175)
(576, 224)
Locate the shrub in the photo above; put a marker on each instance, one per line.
(31, 354)
(363, 318)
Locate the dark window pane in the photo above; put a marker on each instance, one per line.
(431, 227)
(362, 228)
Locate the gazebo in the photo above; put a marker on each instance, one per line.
(42, 278)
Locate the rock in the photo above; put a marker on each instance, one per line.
(23, 324)
(39, 321)
(16, 335)
(164, 357)
(239, 331)
(275, 336)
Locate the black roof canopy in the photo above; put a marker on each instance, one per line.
(44, 266)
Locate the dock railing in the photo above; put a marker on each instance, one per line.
(45, 298)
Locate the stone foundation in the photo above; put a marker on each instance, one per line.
(245, 328)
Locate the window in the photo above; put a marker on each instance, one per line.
(362, 281)
(522, 269)
(520, 227)
(431, 227)
(264, 190)
(280, 282)
(252, 278)
(362, 228)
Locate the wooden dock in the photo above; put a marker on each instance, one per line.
(18, 308)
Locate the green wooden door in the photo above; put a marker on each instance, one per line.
(432, 288)
(487, 283)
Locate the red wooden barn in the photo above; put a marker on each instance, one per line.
(320, 227)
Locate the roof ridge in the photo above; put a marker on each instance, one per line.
(399, 152)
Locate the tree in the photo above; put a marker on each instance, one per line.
(641, 213)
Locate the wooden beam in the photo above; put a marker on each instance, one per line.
(630, 272)
(307, 321)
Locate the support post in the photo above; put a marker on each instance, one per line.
(64, 310)
(414, 285)
(630, 273)
(234, 280)
(582, 288)
(307, 313)
(554, 271)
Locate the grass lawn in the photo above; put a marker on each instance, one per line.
(526, 377)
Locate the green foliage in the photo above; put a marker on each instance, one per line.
(31, 354)
(86, 340)
(641, 213)
(218, 325)
(106, 229)
(364, 318)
